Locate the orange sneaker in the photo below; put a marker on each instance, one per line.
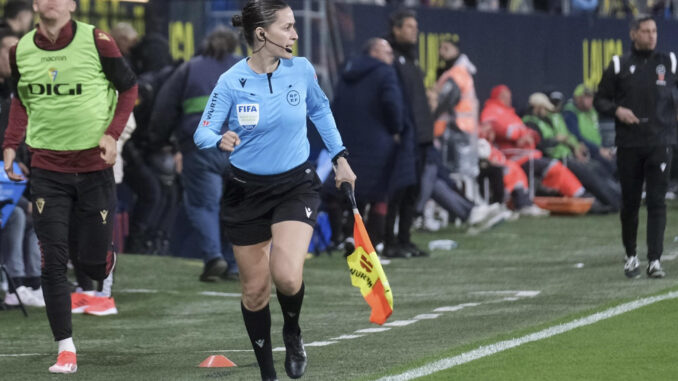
(79, 302)
(101, 306)
(66, 363)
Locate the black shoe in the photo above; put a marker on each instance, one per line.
(414, 250)
(230, 275)
(213, 269)
(269, 379)
(295, 355)
(395, 251)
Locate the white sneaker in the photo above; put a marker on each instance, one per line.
(654, 270)
(37, 294)
(26, 296)
(478, 214)
(491, 222)
(11, 299)
(482, 213)
(533, 211)
(632, 267)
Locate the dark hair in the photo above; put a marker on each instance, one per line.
(635, 23)
(397, 18)
(255, 14)
(219, 42)
(14, 7)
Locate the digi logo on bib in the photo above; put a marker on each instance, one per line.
(248, 115)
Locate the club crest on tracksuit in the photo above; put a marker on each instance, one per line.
(661, 73)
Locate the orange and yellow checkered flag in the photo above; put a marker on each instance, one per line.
(366, 271)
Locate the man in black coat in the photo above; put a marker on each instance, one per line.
(403, 38)
(638, 89)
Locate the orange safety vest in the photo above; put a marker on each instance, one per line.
(467, 109)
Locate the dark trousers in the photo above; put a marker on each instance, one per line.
(403, 203)
(599, 183)
(652, 165)
(495, 178)
(154, 210)
(72, 207)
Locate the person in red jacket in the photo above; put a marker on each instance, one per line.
(518, 142)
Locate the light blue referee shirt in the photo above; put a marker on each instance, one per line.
(268, 112)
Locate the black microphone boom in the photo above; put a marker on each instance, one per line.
(288, 50)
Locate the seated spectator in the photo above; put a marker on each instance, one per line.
(436, 184)
(582, 121)
(557, 142)
(518, 142)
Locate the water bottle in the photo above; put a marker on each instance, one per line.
(442, 244)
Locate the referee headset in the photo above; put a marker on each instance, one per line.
(262, 37)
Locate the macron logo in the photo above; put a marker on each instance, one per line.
(308, 212)
(260, 343)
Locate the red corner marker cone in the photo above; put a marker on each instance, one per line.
(216, 361)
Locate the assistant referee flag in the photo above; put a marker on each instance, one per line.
(368, 275)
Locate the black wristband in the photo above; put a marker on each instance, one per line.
(342, 153)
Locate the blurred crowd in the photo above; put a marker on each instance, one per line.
(600, 8)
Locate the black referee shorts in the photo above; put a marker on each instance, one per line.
(252, 203)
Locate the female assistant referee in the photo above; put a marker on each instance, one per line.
(271, 199)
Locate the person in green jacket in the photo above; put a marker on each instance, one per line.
(582, 122)
(557, 142)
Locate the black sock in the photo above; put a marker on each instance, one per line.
(32, 282)
(291, 306)
(16, 282)
(258, 324)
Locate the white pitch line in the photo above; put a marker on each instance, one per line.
(400, 323)
(214, 293)
(520, 293)
(230, 350)
(346, 337)
(426, 316)
(372, 330)
(21, 354)
(501, 346)
(319, 343)
(137, 291)
(456, 308)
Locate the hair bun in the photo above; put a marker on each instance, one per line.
(236, 20)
